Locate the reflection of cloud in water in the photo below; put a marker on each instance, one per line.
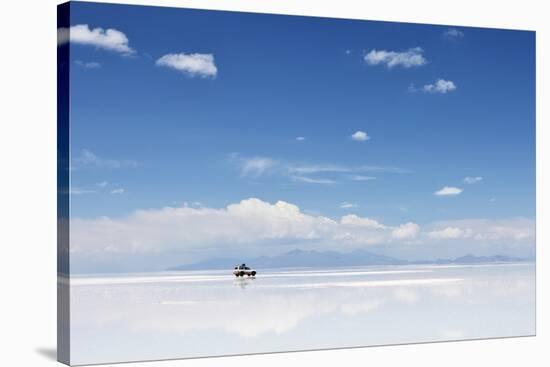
(375, 283)
(274, 313)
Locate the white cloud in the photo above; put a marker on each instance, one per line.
(453, 33)
(63, 36)
(300, 138)
(450, 233)
(356, 221)
(448, 191)
(406, 231)
(412, 88)
(316, 168)
(191, 64)
(305, 179)
(346, 205)
(334, 168)
(473, 180)
(440, 86)
(80, 191)
(407, 59)
(362, 178)
(118, 191)
(360, 136)
(102, 184)
(256, 166)
(251, 222)
(107, 39)
(516, 231)
(88, 158)
(256, 226)
(88, 64)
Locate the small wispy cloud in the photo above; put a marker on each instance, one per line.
(102, 184)
(107, 39)
(448, 191)
(453, 33)
(411, 58)
(88, 158)
(440, 86)
(118, 191)
(333, 168)
(347, 205)
(362, 178)
(412, 88)
(310, 180)
(80, 191)
(473, 179)
(348, 52)
(300, 138)
(196, 64)
(256, 166)
(360, 136)
(88, 64)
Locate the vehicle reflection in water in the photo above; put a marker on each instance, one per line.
(244, 282)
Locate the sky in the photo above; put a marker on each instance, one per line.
(198, 134)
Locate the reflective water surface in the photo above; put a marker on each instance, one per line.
(192, 314)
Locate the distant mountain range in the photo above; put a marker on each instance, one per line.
(318, 259)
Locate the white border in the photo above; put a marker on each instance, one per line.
(27, 190)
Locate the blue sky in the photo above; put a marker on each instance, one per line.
(265, 106)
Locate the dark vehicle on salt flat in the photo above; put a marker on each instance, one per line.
(242, 270)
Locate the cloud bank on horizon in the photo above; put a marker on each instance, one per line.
(252, 225)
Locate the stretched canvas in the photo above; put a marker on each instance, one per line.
(236, 183)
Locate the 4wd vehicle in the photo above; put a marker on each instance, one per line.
(242, 270)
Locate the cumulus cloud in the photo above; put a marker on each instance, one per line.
(450, 233)
(251, 222)
(360, 136)
(473, 180)
(196, 64)
(107, 39)
(356, 221)
(259, 226)
(406, 231)
(517, 231)
(407, 59)
(448, 191)
(440, 86)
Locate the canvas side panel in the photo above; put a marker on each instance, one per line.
(63, 162)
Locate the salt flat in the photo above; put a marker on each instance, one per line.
(193, 314)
